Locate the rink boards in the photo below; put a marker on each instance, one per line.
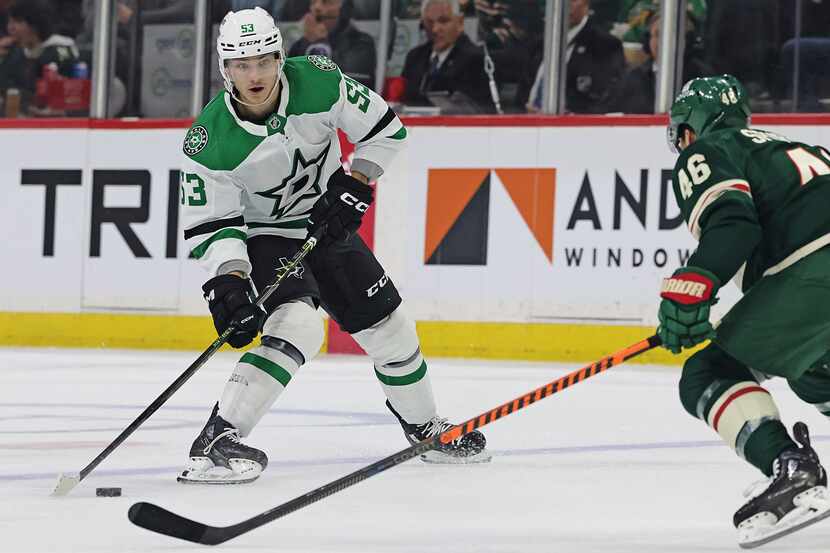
(526, 238)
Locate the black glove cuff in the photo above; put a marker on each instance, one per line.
(221, 284)
(363, 191)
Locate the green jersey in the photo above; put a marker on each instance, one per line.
(756, 201)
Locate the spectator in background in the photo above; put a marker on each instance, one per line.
(605, 12)
(637, 88)
(743, 38)
(35, 46)
(6, 42)
(514, 35)
(328, 31)
(6, 45)
(124, 11)
(503, 21)
(814, 70)
(4, 16)
(448, 62)
(595, 65)
(634, 15)
(68, 18)
(125, 37)
(813, 48)
(293, 10)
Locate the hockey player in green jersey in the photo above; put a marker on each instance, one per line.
(262, 171)
(758, 204)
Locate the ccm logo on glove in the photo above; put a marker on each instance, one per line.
(340, 208)
(350, 200)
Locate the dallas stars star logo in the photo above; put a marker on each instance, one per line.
(301, 184)
(296, 272)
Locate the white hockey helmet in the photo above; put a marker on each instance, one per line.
(247, 33)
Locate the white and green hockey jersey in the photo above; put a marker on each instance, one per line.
(241, 179)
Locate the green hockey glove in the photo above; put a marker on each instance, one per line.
(684, 311)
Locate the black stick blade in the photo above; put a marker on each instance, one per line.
(160, 520)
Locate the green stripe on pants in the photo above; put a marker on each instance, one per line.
(278, 373)
(404, 380)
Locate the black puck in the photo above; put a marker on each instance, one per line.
(108, 492)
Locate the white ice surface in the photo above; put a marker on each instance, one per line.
(611, 465)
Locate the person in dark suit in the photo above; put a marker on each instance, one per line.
(449, 62)
(595, 65)
(328, 31)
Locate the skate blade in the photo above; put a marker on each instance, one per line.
(188, 477)
(793, 522)
(216, 476)
(65, 484)
(439, 458)
(202, 471)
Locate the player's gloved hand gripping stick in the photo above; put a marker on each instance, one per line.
(341, 208)
(687, 296)
(67, 481)
(232, 302)
(157, 519)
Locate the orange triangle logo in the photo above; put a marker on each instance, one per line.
(448, 193)
(533, 192)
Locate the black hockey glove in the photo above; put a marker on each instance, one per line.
(231, 302)
(340, 208)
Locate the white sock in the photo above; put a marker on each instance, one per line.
(258, 379)
(399, 366)
(408, 388)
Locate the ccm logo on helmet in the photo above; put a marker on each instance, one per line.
(348, 199)
(249, 43)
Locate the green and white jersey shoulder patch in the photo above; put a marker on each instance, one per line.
(196, 140)
(216, 140)
(322, 63)
(313, 89)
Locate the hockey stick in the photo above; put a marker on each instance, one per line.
(157, 519)
(67, 481)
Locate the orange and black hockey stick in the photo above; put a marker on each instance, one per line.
(157, 519)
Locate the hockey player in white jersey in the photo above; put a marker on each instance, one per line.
(262, 171)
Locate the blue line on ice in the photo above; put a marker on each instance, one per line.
(355, 418)
(600, 448)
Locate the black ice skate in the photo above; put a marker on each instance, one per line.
(219, 457)
(796, 496)
(469, 448)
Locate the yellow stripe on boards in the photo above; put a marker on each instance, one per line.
(109, 330)
(538, 341)
(519, 341)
